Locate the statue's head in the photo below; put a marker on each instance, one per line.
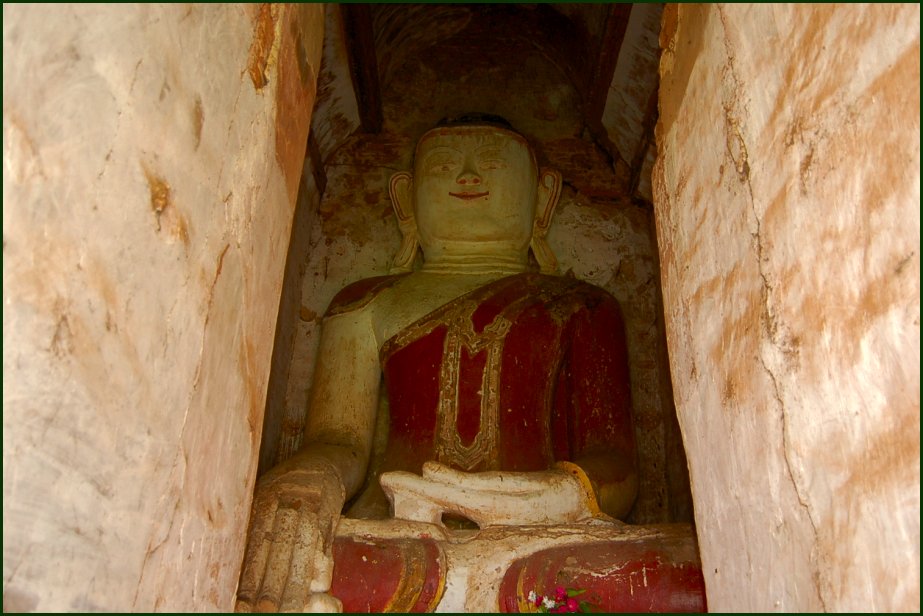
(476, 195)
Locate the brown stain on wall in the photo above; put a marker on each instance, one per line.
(166, 216)
(308, 316)
(75, 291)
(734, 354)
(685, 45)
(845, 303)
(295, 99)
(160, 194)
(354, 188)
(247, 363)
(62, 340)
(860, 128)
(839, 316)
(896, 88)
(814, 91)
(217, 518)
(587, 167)
(86, 335)
(662, 210)
(886, 464)
(261, 46)
(888, 457)
(801, 75)
(198, 120)
(816, 85)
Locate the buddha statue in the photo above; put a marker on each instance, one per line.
(508, 388)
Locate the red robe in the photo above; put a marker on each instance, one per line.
(516, 375)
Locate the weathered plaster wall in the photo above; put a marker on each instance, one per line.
(787, 207)
(276, 421)
(151, 158)
(628, 115)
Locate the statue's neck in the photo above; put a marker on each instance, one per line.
(492, 262)
(473, 268)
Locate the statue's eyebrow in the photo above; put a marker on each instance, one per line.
(441, 149)
(489, 148)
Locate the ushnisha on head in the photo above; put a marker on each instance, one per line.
(476, 200)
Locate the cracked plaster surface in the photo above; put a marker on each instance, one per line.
(792, 317)
(146, 222)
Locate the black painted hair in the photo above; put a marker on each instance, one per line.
(476, 118)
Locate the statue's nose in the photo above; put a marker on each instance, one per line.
(468, 176)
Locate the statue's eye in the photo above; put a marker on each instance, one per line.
(493, 163)
(442, 166)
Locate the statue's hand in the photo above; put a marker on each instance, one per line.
(288, 565)
(490, 498)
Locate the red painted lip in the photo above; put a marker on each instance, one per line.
(467, 196)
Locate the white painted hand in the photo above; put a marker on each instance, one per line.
(288, 566)
(492, 498)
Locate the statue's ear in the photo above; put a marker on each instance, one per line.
(549, 191)
(401, 199)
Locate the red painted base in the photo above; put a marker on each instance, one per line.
(644, 575)
(658, 573)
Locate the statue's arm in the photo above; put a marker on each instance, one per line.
(344, 397)
(613, 477)
(288, 560)
(599, 406)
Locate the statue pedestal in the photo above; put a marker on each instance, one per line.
(402, 566)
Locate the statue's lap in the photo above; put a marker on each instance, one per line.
(397, 566)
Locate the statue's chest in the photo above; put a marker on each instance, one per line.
(473, 383)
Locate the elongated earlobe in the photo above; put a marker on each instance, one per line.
(401, 200)
(549, 191)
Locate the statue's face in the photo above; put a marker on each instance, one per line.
(474, 184)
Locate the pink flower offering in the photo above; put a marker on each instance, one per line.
(563, 601)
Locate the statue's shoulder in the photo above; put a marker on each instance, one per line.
(573, 296)
(571, 290)
(360, 293)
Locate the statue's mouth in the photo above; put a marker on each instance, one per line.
(467, 196)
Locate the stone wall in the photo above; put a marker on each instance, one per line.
(151, 160)
(275, 420)
(787, 205)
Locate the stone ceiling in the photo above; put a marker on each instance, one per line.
(579, 80)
